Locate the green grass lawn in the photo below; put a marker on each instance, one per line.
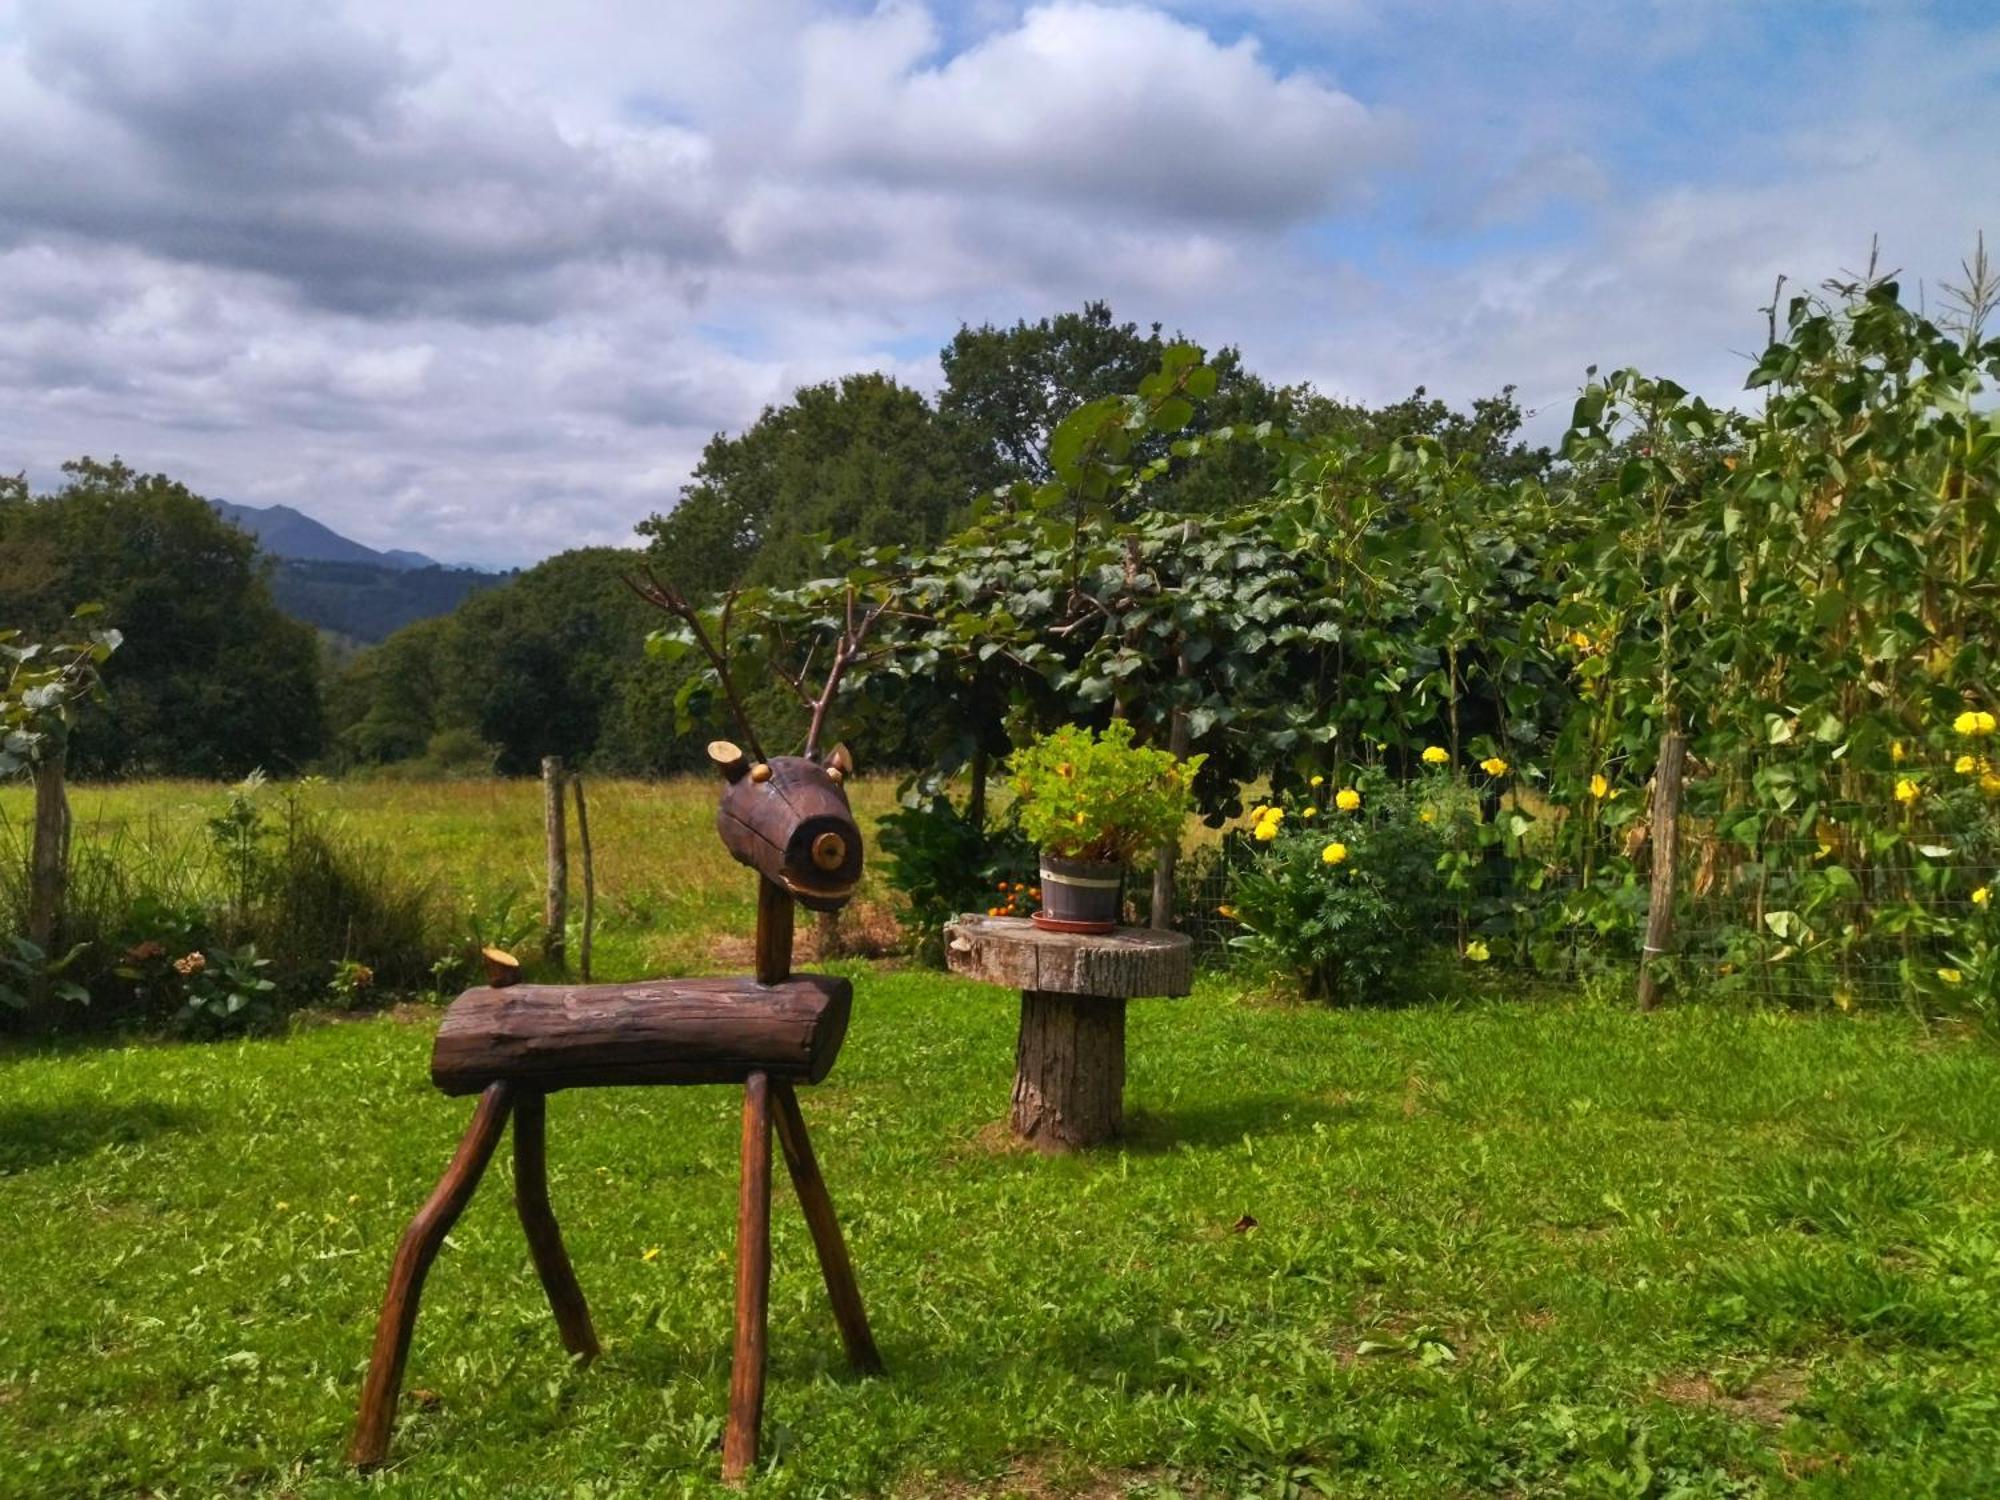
(1516, 1247)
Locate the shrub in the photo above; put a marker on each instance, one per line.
(1336, 899)
(944, 864)
(228, 924)
(1097, 796)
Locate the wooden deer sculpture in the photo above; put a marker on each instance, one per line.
(787, 818)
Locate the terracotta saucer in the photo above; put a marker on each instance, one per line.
(1057, 924)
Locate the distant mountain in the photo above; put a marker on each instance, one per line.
(341, 587)
(284, 532)
(367, 602)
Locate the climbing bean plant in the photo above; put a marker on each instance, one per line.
(1803, 587)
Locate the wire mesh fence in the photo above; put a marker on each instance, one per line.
(1860, 912)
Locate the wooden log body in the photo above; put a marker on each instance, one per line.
(1120, 965)
(795, 828)
(553, 1036)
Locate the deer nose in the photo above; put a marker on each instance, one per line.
(829, 851)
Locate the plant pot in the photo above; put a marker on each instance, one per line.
(1085, 895)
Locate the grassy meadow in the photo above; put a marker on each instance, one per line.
(669, 900)
(1512, 1243)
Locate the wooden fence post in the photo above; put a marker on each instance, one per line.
(1177, 745)
(555, 910)
(589, 877)
(1170, 851)
(48, 859)
(1666, 861)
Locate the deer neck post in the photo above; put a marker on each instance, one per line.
(774, 931)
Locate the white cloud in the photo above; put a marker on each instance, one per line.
(477, 278)
(1118, 109)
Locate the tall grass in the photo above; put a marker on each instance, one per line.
(407, 878)
(268, 874)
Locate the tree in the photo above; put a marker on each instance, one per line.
(214, 679)
(1009, 388)
(862, 458)
(1487, 435)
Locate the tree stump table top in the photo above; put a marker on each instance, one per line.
(1127, 963)
(1069, 1063)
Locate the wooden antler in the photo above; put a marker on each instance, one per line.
(668, 599)
(846, 651)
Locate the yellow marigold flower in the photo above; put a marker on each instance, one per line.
(1896, 751)
(1265, 832)
(1436, 755)
(1983, 896)
(1599, 786)
(1427, 815)
(1952, 976)
(1965, 765)
(1990, 784)
(1477, 951)
(1257, 812)
(1347, 799)
(1311, 812)
(1975, 721)
(1334, 853)
(1987, 723)
(1493, 765)
(1317, 781)
(1907, 791)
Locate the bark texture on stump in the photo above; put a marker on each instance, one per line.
(1069, 1071)
(1119, 965)
(1069, 1063)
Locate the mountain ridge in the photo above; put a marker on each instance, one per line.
(350, 591)
(288, 533)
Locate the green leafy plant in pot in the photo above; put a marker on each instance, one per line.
(1091, 802)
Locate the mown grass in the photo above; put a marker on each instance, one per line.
(1511, 1246)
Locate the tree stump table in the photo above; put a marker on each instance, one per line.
(1069, 1064)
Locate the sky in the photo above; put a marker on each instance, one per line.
(481, 277)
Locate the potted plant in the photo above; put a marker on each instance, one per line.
(1090, 802)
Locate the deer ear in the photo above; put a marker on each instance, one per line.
(841, 760)
(729, 759)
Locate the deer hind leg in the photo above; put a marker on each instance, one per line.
(414, 1254)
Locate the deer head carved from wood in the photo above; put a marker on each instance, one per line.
(786, 816)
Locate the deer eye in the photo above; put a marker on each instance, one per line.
(829, 850)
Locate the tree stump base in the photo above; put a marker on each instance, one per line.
(1069, 1071)
(1069, 1062)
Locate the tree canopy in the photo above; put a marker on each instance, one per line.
(213, 680)
(861, 457)
(552, 664)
